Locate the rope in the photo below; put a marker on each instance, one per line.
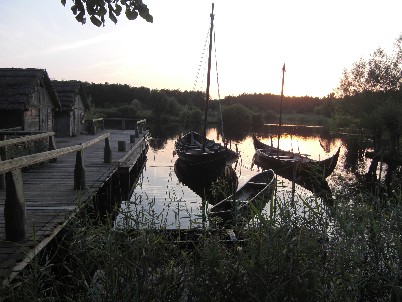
(202, 60)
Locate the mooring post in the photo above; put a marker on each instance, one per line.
(14, 207)
(79, 171)
(52, 146)
(107, 153)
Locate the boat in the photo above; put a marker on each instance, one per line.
(251, 197)
(290, 164)
(194, 148)
(293, 165)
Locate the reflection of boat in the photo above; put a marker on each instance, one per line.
(311, 181)
(201, 180)
(290, 164)
(194, 148)
(252, 196)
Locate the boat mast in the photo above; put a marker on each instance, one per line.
(208, 80)
(280, 110)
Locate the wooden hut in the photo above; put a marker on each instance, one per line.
(74, 103)
(27, 99)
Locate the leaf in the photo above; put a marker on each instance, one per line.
(63, 2)
(112, 17)
(74, 9)
(96, 21)
(81, 18)
(131, 14)
(117, 9)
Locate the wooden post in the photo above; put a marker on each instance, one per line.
(14, 207)
(52, 146)
(79, 171)
(107, 153)
(132, 138)
(123, 124)
(103, 124)
(140, 129)
(3, 154)
(136, 131)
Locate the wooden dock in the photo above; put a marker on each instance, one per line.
(50, 199)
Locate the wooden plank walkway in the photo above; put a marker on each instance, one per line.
(50, 198)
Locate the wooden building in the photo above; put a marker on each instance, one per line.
(74, 103)
(27, 99)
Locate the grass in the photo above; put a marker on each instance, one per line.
(299, 251)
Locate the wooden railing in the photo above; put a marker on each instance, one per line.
(14, 208)
(100, 122)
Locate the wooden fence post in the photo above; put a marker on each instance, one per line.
(107, 153)
(52, 146)
(14, 207)
(3, 154)
(79, 171)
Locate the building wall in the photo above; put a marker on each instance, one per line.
(40, 116)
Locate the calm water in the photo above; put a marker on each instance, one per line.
(161, 198)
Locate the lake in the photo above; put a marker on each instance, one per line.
(162, 199)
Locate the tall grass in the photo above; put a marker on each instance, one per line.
(299, 251)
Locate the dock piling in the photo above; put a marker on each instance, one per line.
(14, 207)
(79, 172)
(107, 153)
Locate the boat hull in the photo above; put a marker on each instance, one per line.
(291, 164)
(190, 150)
(251, 197)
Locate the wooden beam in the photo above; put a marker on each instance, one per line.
(24, 161)
(24, 139)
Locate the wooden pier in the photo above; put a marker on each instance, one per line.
(71, 174)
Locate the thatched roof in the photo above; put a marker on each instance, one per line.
(17, 86)
(67, 91)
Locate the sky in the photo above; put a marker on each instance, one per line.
(316, 40)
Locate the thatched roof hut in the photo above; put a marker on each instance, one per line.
(18, 87)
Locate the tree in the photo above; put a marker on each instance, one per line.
(98, 9)
(381, 73)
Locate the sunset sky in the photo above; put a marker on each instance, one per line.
(316, 40)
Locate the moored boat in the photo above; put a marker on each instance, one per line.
(291, 164)
(252, 196)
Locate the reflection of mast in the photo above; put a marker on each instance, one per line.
(208, 79)
(280, 110)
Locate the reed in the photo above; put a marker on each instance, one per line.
(350, 250)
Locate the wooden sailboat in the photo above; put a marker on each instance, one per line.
(196, 149)
(288, 163)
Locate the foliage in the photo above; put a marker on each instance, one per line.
(382, 72)
(98, 9)
(112, 95)
(191, 116)
(306, 251)
(236, 117)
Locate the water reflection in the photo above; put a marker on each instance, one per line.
(208, 183)
(178, 201)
